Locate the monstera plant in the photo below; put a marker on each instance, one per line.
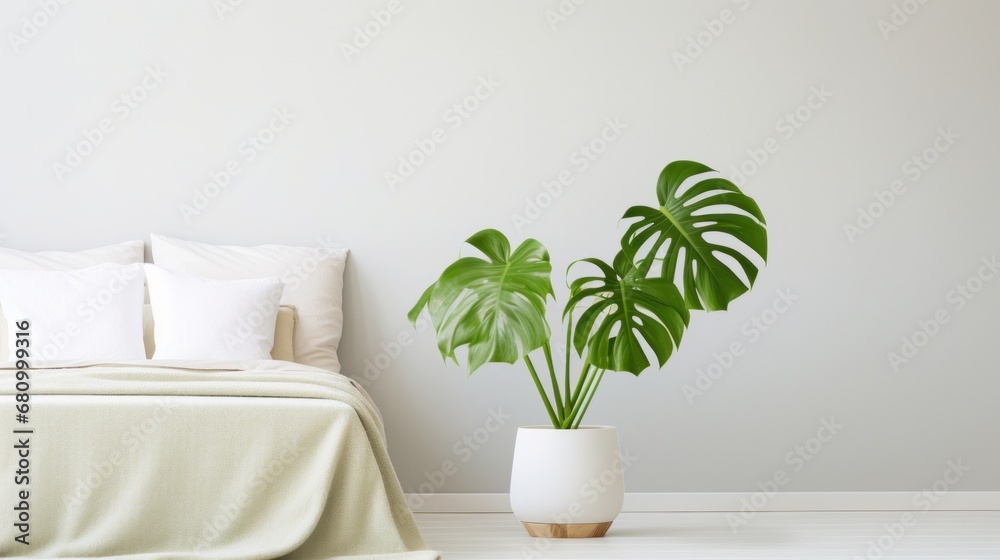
(675, 257)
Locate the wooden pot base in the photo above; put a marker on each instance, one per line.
(567, 530)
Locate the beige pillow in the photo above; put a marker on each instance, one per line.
(284, 333)
(314, 284)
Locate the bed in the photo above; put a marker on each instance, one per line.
(197, 458)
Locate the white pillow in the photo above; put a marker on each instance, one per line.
(284, 331)
(314, 284)
(198, 319)
(93, 313)
(129, 252)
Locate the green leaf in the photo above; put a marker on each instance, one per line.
(496, 305)
(621, 311)
(680, 223)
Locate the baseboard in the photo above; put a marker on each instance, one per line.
(734, 501)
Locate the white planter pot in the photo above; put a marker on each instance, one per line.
(567, 483)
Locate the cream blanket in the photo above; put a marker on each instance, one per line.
(159, 460)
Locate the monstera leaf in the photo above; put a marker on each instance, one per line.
(675, 233)
(621, 311)
(495, 306)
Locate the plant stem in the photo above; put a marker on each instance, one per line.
(587, 400)
(584, 385)
(579, 384)
(569, 334)
(541, 391)
(555, 382)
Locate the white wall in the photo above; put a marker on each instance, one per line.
(323, 176)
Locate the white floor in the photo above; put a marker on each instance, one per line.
(851, 535)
